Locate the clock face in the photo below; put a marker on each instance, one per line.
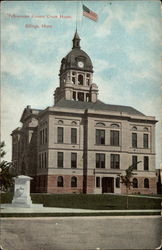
(80, 64)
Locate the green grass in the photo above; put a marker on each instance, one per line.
(4, 215)
(90, 201)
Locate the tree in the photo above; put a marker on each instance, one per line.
(126, 179)
(6, 171)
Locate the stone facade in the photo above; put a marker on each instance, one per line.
(82, 145)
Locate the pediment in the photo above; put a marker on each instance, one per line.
(26, 114)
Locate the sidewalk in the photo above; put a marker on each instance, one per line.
(58, 210)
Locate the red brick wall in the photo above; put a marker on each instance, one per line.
(141, 190)
(52, 184)
(90, 184)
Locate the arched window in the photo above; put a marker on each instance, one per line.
(80, 79)
(100, 124)
(118, 182)
(134, 128)
(60, 122)
(73, 181)
(145, 129)
(60, 181)
(114, 125)
(146, 183)
(135, 183)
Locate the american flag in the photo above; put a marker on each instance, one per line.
(90, 14)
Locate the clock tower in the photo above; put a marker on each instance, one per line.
(76, 76)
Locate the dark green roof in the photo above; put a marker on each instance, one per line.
(97, 106)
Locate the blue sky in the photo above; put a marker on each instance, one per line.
(124, 46)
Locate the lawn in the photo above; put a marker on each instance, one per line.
(90, 201)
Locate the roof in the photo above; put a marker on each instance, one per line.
(97, 106)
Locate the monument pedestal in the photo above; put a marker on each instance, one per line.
(22, 194)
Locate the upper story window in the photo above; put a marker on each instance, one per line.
(134, 140)
(100, 160)
(100, 137)
(134, 161)
(134, 128)
(146, 163)
(115, 161)
(100, 124)
(60, 134)
(81, 96)
(80, 79)
(114, 138)
(43, 136)
(60, 122)
(145, 140)
(73, 160)
(74, 96)
(114, 125)
(60, 159)
(74, 135)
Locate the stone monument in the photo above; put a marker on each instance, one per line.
(22, 194)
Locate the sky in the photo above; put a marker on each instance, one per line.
(124, 45)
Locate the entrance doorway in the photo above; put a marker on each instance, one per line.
(107, 185)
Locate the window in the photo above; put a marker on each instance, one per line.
(114, 138)
(60, 122)
(135, 183)
(118, 182)
(73, 160)
(73, 181)
(60, 159)
(115, 161)
(145, 140)
(73, 135)
(60, 135)
(87, 97)
(146, 183)
(100, 137)
(97, 182)
(45, 140)
(134, 162)
(146, 163)
(100, 124)
(40, 137)
(134, 140)
(100, 160)
(73, 80)
(114, 125)
(60, 181)
(81, 96)
(40, 162)
(74, 96)
(45, 160)
(80, 79)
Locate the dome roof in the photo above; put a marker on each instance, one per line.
(76, 59)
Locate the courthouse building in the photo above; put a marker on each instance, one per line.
(82, 145)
